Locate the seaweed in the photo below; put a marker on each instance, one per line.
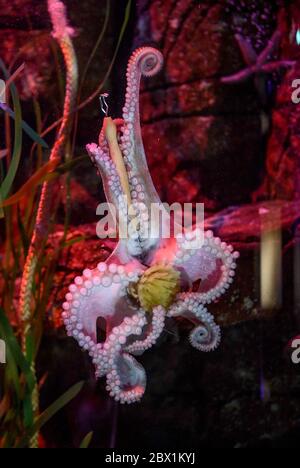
(29, 213)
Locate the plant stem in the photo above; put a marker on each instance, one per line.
(41, 228)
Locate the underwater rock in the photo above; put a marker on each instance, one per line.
(19, 12)
(184, 112)
(34, 50)
(25, 38)
(281, 179)
(282, 159)
(25, 28)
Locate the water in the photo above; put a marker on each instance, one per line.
(219, 123)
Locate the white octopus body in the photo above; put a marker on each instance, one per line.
(103, 292)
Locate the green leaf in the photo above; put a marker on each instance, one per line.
(1, 209)
(51, 411)
(47, 172)
(15, 350)
(60, 403)
(96, 46)
(70, 165)
(28, 410)
(87, 441)
(27, 129)
(36, 179)
(12, 373)
(12, 171)
(112, 62)
(30, 348)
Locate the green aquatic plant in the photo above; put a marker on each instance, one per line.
(62, 33)
(28, 217)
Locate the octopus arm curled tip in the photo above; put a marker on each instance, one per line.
(206, 336)
(146, 61)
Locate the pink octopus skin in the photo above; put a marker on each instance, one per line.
(103, 292)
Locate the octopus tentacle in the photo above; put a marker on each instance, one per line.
(146, 61)
(107, 167)
(132, 388)
(207, 335)
(214, 262)
(104, 354)
(217, 283)
(128, 213)
(97, 293)
(157, 327)
(108, 171)
(178, 249)
(135, 181)
(126, 380)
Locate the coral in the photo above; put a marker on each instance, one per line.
(106, 292)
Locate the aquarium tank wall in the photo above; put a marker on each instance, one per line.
(149, 226)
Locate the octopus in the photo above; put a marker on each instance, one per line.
(147, 278)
